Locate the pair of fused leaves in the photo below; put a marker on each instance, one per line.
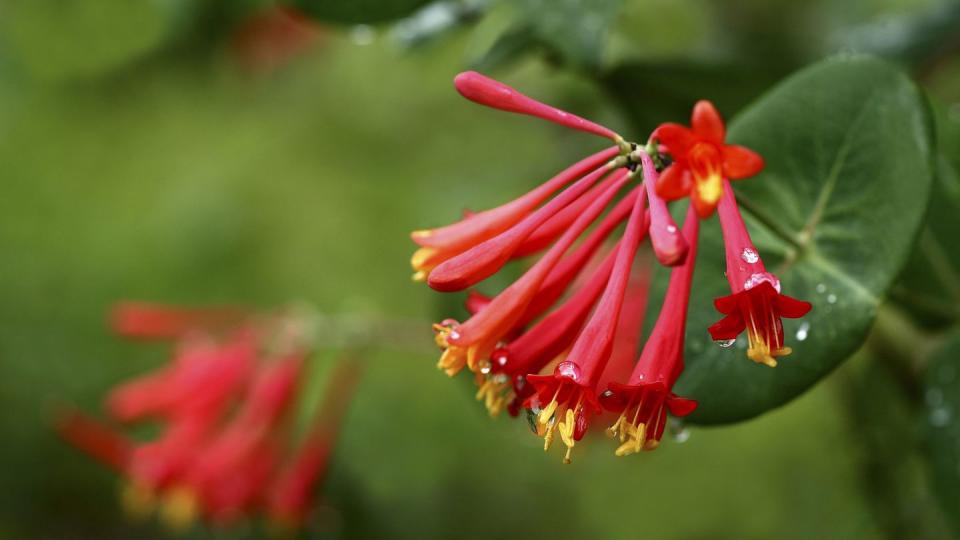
(835, 214)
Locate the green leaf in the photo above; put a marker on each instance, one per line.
(359, 11)
(942, 426)
(835, 213)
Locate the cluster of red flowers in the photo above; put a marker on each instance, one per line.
(227, 448)
(560, 341)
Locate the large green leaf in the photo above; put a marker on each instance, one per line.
(942, 425)
(359, 11)
(835, 213)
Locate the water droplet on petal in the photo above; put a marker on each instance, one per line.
(725, 342)
(569, 370)
(803, 331)
(749, 256)
(485, 366)
(762, 277)
(671, 229)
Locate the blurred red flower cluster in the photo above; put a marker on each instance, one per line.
(228, 447)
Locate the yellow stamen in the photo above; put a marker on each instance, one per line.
(495, 393)
(179, 508)
(709, 189)
(137, 500)
(452, 360)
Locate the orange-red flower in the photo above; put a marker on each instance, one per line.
(702, 160)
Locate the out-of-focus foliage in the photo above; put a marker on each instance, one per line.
(138, 161)
(941, 396)
(359, 11)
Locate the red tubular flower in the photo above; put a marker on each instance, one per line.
(702, 160)
(486, 91)
(566, 399)
(644, 400)
(99, 441)
(667, 242)
(485, 259)
(504, 382)
(474, 340)
(151, 321)
(440, 244)
(629, 328)
(222, 405)
(756, 303)
(289, 496)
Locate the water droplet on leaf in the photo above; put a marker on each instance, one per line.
(803, 331)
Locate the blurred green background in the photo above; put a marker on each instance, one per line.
(148, 152)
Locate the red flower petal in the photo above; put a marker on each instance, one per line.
(678, 139)
(707, 124)
(680, 406)
(791, 307)
(675, 182)
(740, 162)
(728, 327)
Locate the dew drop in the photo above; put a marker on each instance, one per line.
(531, 415)
(803, 331)
(821, 288)
(485, 366)
(724, 343)
(749, 256)
(831, 298)
(569, 370)
(671, 229)
(762, 277)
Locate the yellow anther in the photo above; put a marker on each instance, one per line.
(494, 394)
(452, 360)
(179, 509)
(566, 428)
(548, 437)
(547, 413)
(137, 500)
